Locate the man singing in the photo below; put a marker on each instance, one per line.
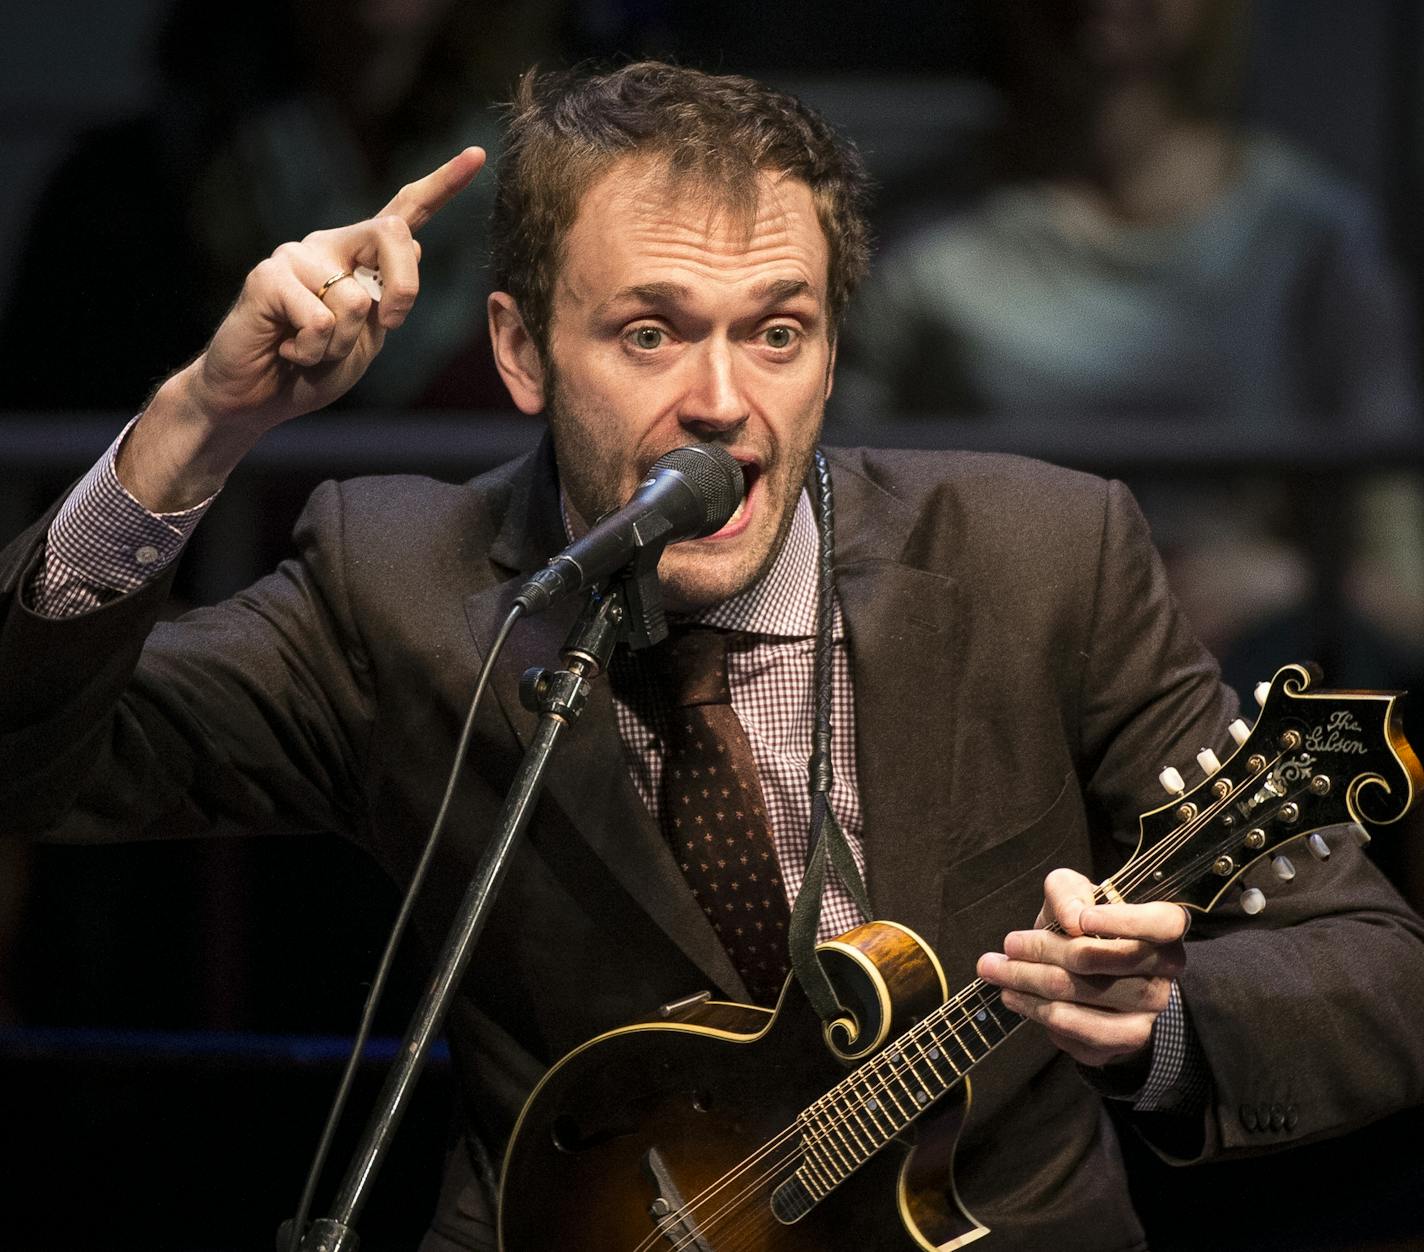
(675, 253)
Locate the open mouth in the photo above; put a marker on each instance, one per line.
(751, 471)
(751, 475)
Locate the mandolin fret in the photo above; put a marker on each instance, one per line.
(838, 1146)
(856, 1118)
(818, 1179)
(929, 1060)
(864, 1097)
(911, 1081)
(850, 1119)
(956, 1053)
(893, 1086)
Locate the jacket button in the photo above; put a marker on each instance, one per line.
(1278, 1117)
(1263, 1115)
(1248, 1116)
(1292, 1117)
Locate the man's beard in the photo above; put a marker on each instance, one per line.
(590, 476)
(589, 472)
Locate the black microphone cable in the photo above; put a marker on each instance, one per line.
(383, 970)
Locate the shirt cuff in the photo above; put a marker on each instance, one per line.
(103, 543)
(1177, 1079)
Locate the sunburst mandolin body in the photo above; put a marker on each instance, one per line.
(676, 1134)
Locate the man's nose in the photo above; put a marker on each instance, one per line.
(714, 401)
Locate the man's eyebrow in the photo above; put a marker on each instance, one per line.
(778, 289)
(773, 291)
(645, 293)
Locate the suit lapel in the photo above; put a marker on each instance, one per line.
(903, 627)
(588, 779)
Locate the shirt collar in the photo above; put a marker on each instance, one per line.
(783, 600)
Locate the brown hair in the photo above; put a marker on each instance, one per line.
(719, 132)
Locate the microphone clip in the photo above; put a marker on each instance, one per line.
(640, 619)
(645, 622)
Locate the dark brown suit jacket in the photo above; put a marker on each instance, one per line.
(1021, 673)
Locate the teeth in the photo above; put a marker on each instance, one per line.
(738, 513)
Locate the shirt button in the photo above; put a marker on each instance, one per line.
(146, 555)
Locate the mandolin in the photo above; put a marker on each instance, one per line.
(724, 1127)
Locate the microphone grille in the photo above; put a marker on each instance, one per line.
(714, 475)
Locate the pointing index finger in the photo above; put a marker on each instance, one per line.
(421, 200)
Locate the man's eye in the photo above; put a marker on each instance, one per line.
(780, 336)
(647, 337)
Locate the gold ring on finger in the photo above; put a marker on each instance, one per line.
(331, 282)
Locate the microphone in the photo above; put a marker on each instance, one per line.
(689, 492)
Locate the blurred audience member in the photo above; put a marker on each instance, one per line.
(1141, 259)
(269, 116)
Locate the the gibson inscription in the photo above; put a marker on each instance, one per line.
(1341, 733)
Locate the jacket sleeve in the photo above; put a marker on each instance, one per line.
(250, 715)
(1302, 1012)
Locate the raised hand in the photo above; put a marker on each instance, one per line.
(1098, 987)
(300, 335)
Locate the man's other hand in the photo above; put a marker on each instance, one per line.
(294, 341)
(1098, 986)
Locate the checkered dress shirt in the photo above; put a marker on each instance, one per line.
(771, 679)
(104, 544)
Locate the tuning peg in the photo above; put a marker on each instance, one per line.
(1319, 849)
(1239, 731)
(1171, 781)
(1208, 761)
(1262, 691)
(1284, 867)
(1253, 900)
(1362, 836)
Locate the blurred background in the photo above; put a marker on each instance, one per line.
(1174, 241)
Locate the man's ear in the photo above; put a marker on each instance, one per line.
(515, 354)
(830, 370)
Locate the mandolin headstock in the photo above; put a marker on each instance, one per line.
(1315, 758)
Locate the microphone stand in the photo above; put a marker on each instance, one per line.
(558, 697)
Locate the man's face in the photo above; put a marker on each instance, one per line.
(671, 325)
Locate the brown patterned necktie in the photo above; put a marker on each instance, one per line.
(713, 813)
